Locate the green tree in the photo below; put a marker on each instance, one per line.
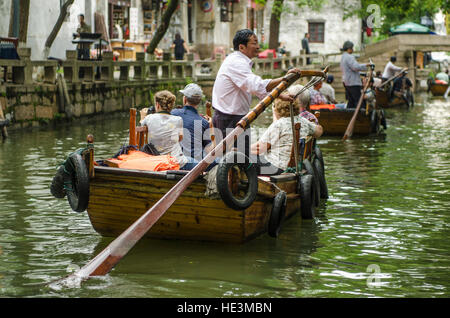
(396, 12)
(164, 25)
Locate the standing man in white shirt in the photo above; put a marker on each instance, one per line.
(390, 69)
(236, 83)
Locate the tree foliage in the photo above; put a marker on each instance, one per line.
(396, 12)
(164, 25)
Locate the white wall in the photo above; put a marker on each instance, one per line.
(294, 24)
(5, 7)
(41, 20)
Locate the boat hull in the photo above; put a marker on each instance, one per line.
(335, 122)
(118, 197)
(438, 89)
(383, 100)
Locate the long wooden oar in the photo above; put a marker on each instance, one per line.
(113, 253)
(392, 78)
(351, 124)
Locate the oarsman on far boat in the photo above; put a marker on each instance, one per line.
(390, 69)
(350, 74)
(236, 83)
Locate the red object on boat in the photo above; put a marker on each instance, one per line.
(440, 82)
(324, 106)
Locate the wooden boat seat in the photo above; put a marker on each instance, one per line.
(141, 136)
(282, 177)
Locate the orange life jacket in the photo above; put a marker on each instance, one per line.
(325, 106)
(141, 161)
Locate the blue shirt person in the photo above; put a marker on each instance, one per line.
(195, 127)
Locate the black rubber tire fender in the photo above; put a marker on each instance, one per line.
(383, 119)
(78, 177)
(57, 185)
(306, 191)
(231, 159)
(312, 171)
(319, 156)
(322, 180)
(277, 214)
(374, 122)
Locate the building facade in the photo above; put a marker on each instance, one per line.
(327, 28)
(208, 26)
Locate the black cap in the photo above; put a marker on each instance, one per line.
(347, 45)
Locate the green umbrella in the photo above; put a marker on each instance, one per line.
(410, 27)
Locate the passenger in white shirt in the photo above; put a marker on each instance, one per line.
(390, 69)
(236, 83)
(276, 142)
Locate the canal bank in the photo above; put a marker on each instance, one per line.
(383, 232)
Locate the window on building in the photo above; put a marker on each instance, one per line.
(316, 32)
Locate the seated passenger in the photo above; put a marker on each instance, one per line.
(443, 76)
(302, 103)
(165, 131)
(402, 85)
(328, 91)
(377, 81)
(276, 142)
(316, 96)
(194, 124)
(369, 94)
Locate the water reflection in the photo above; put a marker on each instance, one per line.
(388, 209)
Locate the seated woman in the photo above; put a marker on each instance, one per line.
(165, 131)
(276, 142)
(316, 96)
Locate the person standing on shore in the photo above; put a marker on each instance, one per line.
(179, 46)
(305, 46)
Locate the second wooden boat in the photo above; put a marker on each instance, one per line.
(335, 121)
(437, 89)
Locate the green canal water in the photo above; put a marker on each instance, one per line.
(384, 231)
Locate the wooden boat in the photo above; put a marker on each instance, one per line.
(118, 197)
(437, 89)
(383, 99)
(335, 121)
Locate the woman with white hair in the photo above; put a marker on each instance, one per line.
(302, 102)
(276, 143)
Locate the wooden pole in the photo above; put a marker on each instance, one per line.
(90, 141)
(351, 124)
(392, 78)
(132, 141)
